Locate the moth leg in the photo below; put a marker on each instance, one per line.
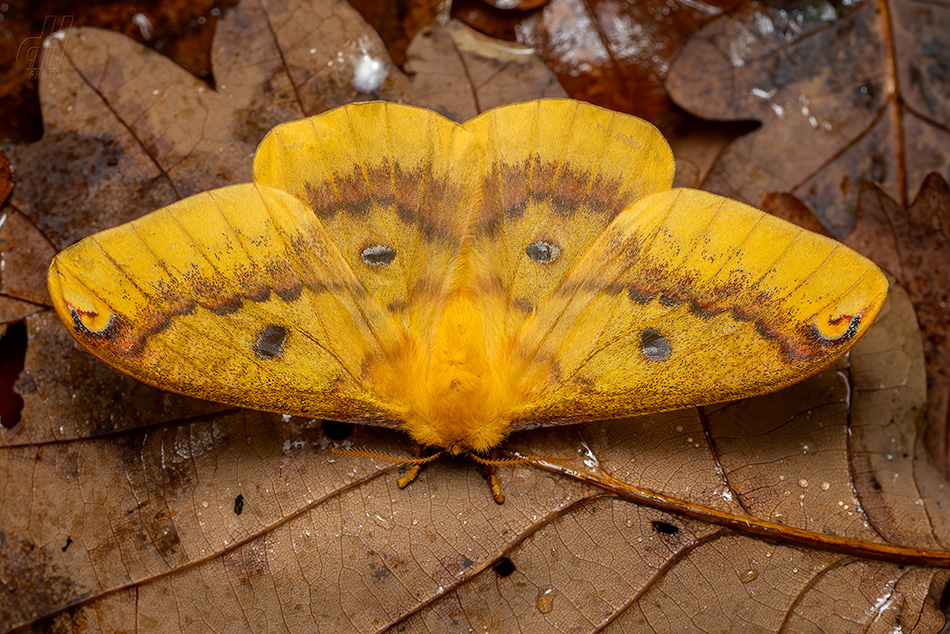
(412, 472)
(488, 471)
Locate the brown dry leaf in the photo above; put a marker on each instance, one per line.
(914, 243)
(24, 253)
(123, 507)
(788, 207)
(834, 112)
(177, 137)
(610, 52)
(446, 63)
(179, 29)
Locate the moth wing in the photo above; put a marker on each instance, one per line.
(297, 293)
(557, 172)
(236, 295)
(689, 298)
(386, 180)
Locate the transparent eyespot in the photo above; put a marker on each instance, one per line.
(543, 251)
(378, 255)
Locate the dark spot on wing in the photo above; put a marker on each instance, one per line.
(270, 343)
(654, 346)
(543, 251)
(378, 255)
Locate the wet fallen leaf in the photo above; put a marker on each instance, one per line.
(914, 243)
(398, 23)
(126, 507)
(844, 96)
(611, 53)
(519, 5)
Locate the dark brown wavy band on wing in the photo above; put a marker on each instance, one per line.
(126, 336)
(416, 196)
(509, 188)
(707, 302)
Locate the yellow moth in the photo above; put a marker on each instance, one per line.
(530, 267)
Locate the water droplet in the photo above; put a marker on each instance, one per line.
(749, 575)
(679, 429)
(803, 483)
(546, 600)
(824, 486)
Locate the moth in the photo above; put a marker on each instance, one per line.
(459, 282)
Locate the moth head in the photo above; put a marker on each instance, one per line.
(468, 425)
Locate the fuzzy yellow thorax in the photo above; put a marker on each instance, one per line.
(457, 389)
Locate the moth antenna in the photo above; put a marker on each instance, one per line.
(363, 453)
(501, 462)
(532, 459)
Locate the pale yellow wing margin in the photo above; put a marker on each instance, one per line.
(689, 298)
(235, 295)
(394, 185)
(557, 172)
